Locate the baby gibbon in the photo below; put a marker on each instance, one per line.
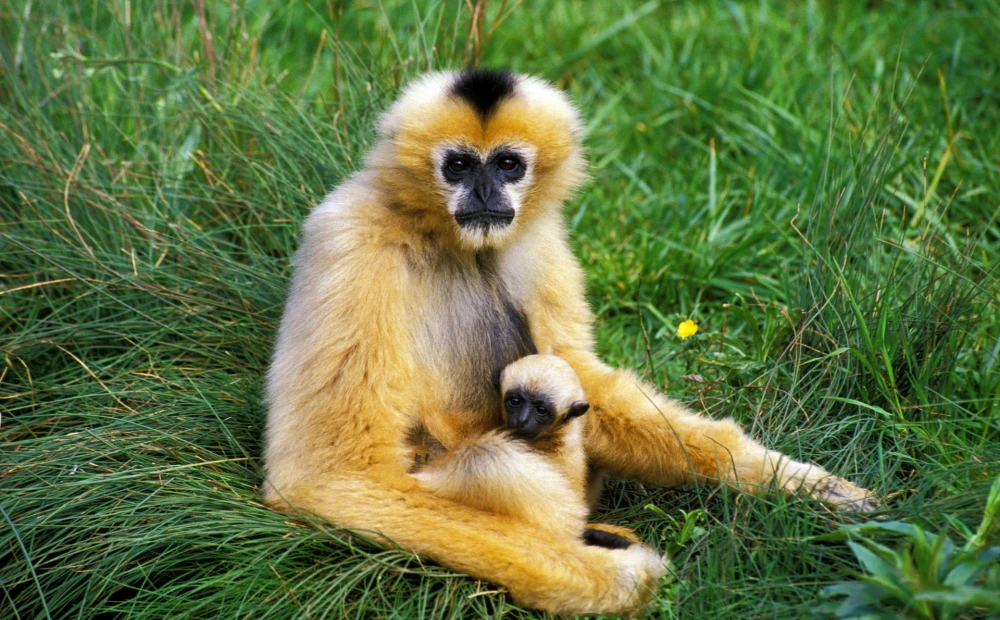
(533, 388)
(538, 477)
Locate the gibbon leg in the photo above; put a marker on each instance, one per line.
(636, 432)
(555, 574)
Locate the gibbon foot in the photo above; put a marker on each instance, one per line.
(815, 482)
(843, 494)
(640, 569)
(646, 565)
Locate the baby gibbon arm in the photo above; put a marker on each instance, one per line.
(635, 432)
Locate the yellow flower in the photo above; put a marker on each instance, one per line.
(687, 329)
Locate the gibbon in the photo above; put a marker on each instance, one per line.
(541, 380)
(542, 399)
(541, 477)
(417, 281)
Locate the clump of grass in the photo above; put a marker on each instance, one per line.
(926, 576)
(814, 187)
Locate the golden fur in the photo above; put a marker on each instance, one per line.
(397, 321)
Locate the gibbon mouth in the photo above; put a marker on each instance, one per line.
(485, 219)
(526, 434)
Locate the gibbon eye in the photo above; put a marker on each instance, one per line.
(508, 163)
(513, 401)
(542, 410)
(458, 164)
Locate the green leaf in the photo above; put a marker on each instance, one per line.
(895, 527)
(860, 598)
(874, 564)
(963, 596)
(965, 573)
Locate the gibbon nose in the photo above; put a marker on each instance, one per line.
(525, 425)
(484, 191)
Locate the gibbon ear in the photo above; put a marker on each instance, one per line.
(578, 408)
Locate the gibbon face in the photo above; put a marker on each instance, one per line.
(477, 154)
(529, 413)
(483, 187)
(540, 394)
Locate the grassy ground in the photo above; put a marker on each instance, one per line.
(814, 184)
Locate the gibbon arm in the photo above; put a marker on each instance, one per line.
(639, 433)
(635, 432)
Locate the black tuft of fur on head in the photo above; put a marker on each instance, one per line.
(484, 89)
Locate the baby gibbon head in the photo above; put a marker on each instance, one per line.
(477, 154)
(541, 393)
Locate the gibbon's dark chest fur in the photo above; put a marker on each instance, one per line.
(473, 329)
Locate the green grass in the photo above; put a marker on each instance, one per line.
(815, 185)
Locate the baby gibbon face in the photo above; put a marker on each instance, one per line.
(541, 393)
(479, 153)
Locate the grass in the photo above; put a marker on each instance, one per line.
(814, 184)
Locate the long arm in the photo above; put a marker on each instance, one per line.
(638, 433)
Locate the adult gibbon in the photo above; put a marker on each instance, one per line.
(418, 280)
